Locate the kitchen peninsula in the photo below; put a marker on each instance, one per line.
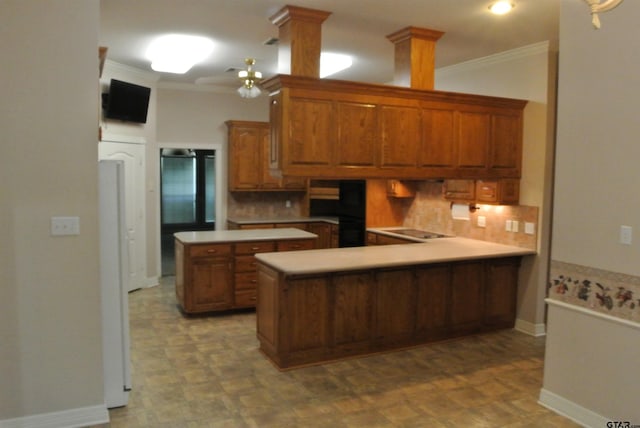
(323, 305)
(216, 270)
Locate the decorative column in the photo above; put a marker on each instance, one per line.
(415, 53)
(300, 40)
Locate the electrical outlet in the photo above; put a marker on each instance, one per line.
(508, 225)
(287, 203)
(529, 228)
(482, 221)
(515, 225)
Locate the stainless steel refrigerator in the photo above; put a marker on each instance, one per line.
(113, 282)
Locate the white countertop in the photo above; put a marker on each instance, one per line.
(215, 236)
(379, 256)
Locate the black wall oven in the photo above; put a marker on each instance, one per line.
(352, 207)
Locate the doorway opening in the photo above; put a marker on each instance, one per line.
(187, 197)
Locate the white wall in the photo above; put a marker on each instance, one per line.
(50, 331)
(596, 191)
(525, 73)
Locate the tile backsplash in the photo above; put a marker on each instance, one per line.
(430, 211)
(260, 205)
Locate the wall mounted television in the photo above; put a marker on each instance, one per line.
(126, 101)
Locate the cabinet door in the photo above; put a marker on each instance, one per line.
(352, 300)
(501, 292)
(432, 299)
(466, 310)
(438, 148)
(505, 156)
(323, 230)
(400, 135)
(459, 190)
(357, 134)
(310, 135)
(267, 181)
(395, 289)
(473, 140)
(307, 314)
(245, 160)
(211, 287)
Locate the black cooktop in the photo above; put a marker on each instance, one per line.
(415, 233)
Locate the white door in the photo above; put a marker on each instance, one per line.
(133, 156)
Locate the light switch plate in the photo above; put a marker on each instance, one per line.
(482, 221)
(508, 225)
(65, 226)
(515, 226)
(626, 235)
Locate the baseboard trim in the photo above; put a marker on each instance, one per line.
(530, 328)
(80, 417)
(571, 410)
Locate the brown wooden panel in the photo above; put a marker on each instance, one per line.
(211, 284)
(501, 292)
(438, 147)
(466, 295)
(245, 298)
(432, 298)
(246, 280)
(296, 245)
(209, 250)
(307, 313)
(473, 139)
(255, 247)
(323, 230)
(352, 302)
(357, 134)
(400, 135)
(395, 289)
(459, 190)
(267, 312)
(506, 142)
(310, 136)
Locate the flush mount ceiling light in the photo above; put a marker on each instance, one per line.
(598, 6)
(177, 53)
(250, 78)
(331, 63)
(501, 7)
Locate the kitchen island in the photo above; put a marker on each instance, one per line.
(216, 270)
(323, 305)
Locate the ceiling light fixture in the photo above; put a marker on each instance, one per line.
(250, 78)
(597, 6)
(331, 63)
(177, 53)
(501, 7)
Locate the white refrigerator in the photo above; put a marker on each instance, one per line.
(113, 282)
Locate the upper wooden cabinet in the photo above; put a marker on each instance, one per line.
(330, 128)
(249, 159)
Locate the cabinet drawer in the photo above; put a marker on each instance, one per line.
(209, 250)
(255, 247)
(246, 298)
(246, 281)
(295, 245)
(301, 226)
(245, 264)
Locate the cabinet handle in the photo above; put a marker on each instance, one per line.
(212, 251)
(255, 248)
(295, 247)
(254, 281)
(253, 299)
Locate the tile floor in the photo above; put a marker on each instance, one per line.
(206, 371)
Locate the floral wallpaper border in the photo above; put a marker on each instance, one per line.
(612, 293)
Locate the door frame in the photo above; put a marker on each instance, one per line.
(221, 186)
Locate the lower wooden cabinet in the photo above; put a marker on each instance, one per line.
(319, 317)
(218, 277)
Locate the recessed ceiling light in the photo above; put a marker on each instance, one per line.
(177, 53)
(331, 63)
(501, 7)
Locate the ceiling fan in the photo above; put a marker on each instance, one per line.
(248, 78)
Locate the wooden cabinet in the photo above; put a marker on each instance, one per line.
(503, 192)
(323, 230)
(400, 189)
(204, 277)
(336, 129)
(249, 159)
(217, 277)
(305, 319)
(459, 190)
(374, 238)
